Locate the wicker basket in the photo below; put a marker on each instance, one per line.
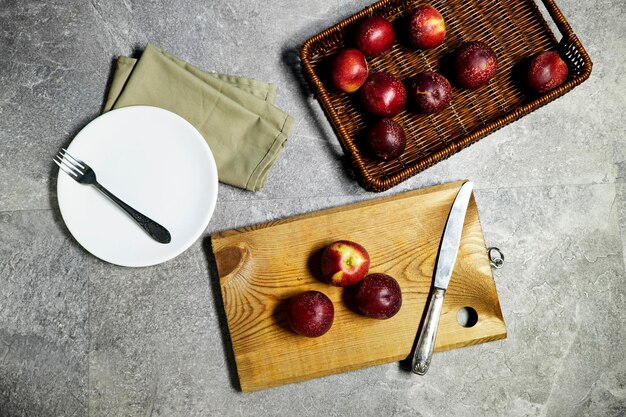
(515, 29)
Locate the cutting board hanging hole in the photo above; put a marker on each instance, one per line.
(467, 317)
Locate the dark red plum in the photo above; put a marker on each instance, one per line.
(475, 63)
(378, 296)
(546, 72)
(386, 139)
(430, 92)
(310, 313)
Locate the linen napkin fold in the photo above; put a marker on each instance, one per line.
(235, 115)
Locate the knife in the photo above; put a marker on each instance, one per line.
(443, 271)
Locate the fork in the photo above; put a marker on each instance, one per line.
(82, 173)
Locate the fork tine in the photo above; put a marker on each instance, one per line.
(69, 164)
(65, 169)
(76, 160)
(67, 159)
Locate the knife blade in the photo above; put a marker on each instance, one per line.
(446, 259)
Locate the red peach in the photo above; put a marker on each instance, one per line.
(348, 70)
(427, 29)
(374, 36)
(344, 263)
(383, 95)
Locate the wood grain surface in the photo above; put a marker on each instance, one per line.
(261, 267)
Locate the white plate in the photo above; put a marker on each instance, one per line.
(155, 161)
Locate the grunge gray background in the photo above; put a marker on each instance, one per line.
(81, 337)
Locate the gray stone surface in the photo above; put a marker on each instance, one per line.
(81, 337)
(43, 317)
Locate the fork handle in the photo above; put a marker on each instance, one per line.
(154, 229)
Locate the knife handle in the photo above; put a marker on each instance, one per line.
(426, 342)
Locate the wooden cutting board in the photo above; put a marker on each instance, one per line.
(261, 267)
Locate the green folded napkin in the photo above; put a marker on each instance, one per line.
(236, 116)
